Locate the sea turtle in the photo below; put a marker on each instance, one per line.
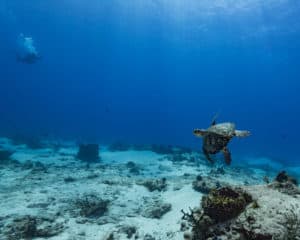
(216, 138)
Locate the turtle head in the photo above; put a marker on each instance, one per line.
(199, 132)
(242, 133)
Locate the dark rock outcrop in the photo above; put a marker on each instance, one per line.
(5, 156)
(133, 168)
(88, 152)
(285, 184)
(283, 177)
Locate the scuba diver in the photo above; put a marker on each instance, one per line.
(27, 52)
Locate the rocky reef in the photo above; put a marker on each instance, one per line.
(46, 193)
(217, 207)
(29, 227)
(259, 212)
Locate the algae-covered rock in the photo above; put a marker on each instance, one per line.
(219, 206)
(154, 184)
(29, 227)
(22, 228)
(226, 214)
(225, 203)
(156, 209)
(91, 206)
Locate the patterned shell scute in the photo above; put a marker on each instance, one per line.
(224, 129)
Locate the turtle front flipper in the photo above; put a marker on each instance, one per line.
(199, 132)
(227, 155)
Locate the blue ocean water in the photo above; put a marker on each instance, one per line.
(152, 71)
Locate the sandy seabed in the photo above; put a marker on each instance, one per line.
(143, 192)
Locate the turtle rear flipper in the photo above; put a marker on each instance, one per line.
(241, 133)
(208, 157)
(227, 155)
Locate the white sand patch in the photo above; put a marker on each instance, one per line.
(181, 199)
(168, 227)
